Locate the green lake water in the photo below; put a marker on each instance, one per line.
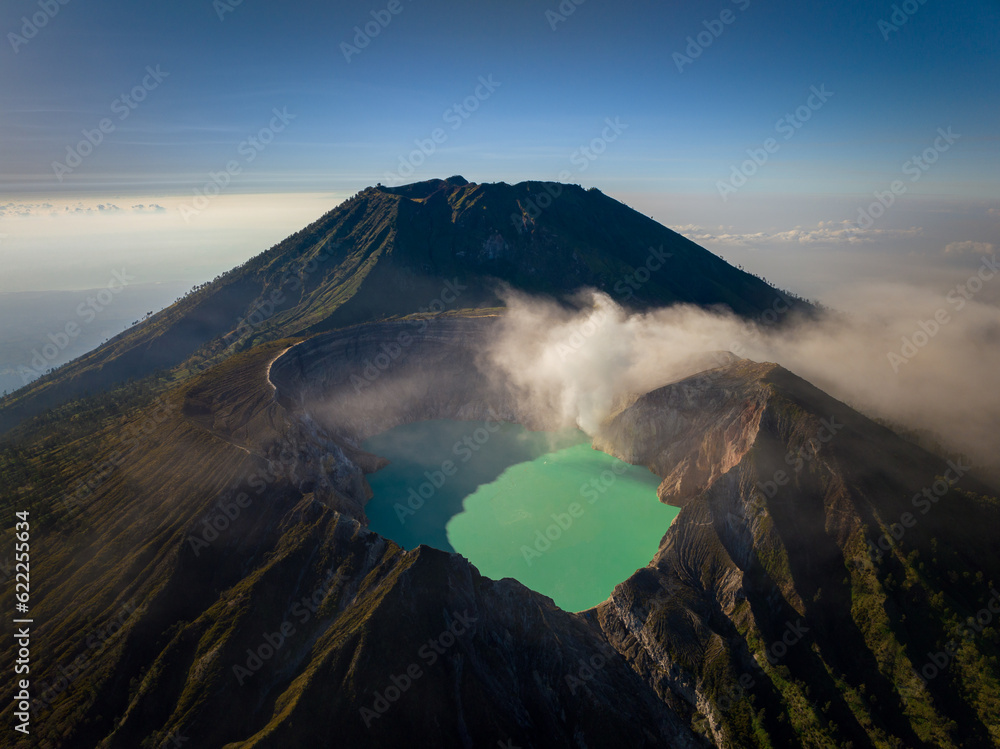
(544, 508)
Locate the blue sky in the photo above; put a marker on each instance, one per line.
(222, 70)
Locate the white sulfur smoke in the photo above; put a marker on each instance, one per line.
(922, 360)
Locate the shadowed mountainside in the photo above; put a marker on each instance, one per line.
(213, 588)
(819, 573)
(219, 584)
(396, 251)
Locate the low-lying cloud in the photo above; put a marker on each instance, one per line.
(969, 248)
(832, 233)
(927, 361)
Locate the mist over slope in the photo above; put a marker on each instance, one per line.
(425, 247)
(579, 363)
(247, 496)
(207, 524)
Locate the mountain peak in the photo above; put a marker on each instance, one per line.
(426, 188)
(391, 252)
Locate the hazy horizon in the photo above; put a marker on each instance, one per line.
(763, 130)
(300, 459)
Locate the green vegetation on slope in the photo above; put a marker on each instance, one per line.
(386, 253)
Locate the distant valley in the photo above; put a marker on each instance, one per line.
(34, 325)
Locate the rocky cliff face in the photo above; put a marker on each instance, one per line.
(420, 248)
(802, 597)
(771, 608)
(341, 638)
(259, 612)
(766, 581)
(690, 434)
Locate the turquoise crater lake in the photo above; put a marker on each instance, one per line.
(543, 508)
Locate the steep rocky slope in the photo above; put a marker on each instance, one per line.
(214, 587)
(430, 246)
(215, 582)
(816, 587)
(819, 567)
